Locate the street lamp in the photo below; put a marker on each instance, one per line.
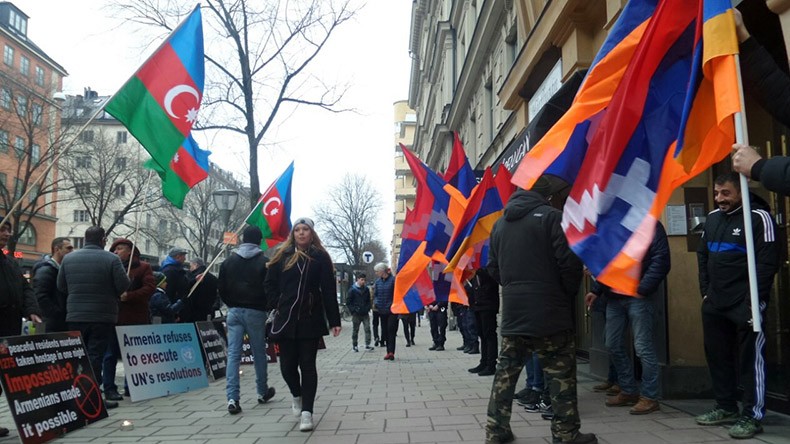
(225, 201)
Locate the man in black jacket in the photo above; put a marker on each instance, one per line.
(173, 268)
(540, 277)
(200, 305)
(45, 286)
(764, 80)
(16, 296)
(638, 312)
(726, 307)
(241, 279)
(358, 303)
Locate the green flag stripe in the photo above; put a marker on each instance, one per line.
(173, 187)
(257, 219)
(142, 115)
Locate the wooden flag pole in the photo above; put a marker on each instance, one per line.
(741, 136)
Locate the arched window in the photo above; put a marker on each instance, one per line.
(28, 237)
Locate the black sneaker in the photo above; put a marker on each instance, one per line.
(522, 393)
(234, 407)
(113, 395)
(440, 348)
(476, 369)
(356, 349)
(548, 415)
(461, 347)
(530, 399)
(540, 407)
(110, 404)
(433, 347)
(263, 399)
(488, 371)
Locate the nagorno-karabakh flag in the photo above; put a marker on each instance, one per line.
(272, 213)
(160, 104)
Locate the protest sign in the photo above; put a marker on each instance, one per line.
(162, 359)
(49, 384)
(215, 349)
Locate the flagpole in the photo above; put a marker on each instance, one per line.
(742, 137)
(222, 250)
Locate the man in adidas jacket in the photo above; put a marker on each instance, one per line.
(726, 307)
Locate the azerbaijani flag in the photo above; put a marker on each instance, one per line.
(159, 106)
(189, 166)
(272, 213)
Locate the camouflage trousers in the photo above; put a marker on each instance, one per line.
(557, 356)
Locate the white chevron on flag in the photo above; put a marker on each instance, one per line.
(576, 213)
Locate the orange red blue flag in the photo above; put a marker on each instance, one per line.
(663, 85)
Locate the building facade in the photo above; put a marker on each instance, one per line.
(405, 188)
(501, 72)
(29, 135)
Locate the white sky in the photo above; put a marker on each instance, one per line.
(370, 53)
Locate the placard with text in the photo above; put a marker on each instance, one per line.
(215, 348)
(161, 360)
(49, 384)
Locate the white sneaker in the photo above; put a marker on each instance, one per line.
(296, 406)
(306, 423)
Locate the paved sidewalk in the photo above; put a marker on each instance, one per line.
(421, 397)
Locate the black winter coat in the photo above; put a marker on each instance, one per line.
(305, 296)
(242, 281)
(655, 267)
(540, 275)
(16, 297)
(358, 300)
(51, 300)
(485, 292)
(766, 82)
(201, 304)
(721, 256)
(177, 281)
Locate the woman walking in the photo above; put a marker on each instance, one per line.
(301, 288)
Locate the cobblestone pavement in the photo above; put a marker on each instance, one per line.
(421, 397)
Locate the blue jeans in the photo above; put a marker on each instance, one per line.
(639, 312)
(534, 373)
(253, 323)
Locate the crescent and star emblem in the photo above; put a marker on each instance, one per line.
(276, 207)
(174, 92)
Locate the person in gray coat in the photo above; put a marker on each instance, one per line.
(94, 280)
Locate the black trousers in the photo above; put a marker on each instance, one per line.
(735, 354)
(389, 330)
(486, 330)
(96, 337)
(298, 356)
(409, 325)
(376, 319)
(438, 321)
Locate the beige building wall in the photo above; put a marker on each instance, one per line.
(405, 190)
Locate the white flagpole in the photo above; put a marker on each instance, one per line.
(742, 136)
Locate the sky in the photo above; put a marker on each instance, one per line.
(369, 53)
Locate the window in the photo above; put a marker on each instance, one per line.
(18, 188)
(39, 76)
(3, 179)
(35, 153)
(24, 66)
(120, 162)
(147, 245)
(174, 227)
(87, 136)
(19, 146)
(21, 105)
(78, 242)
(28, 235)
(8, 55)
(82, 188)
(33, 195)
(81, 216)
(162, 226)
(148, 223)
(5, 98)
(17, 22)
(120, 191)
(118, 216)
(120, 137)
(37, 112)
(83, 162)
(3, 141)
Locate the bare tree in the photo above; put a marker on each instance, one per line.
(29, 138)
(107, 178)
(257, 60)
(348, 217)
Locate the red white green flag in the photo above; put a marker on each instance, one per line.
(160, 103)
(272, 213)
